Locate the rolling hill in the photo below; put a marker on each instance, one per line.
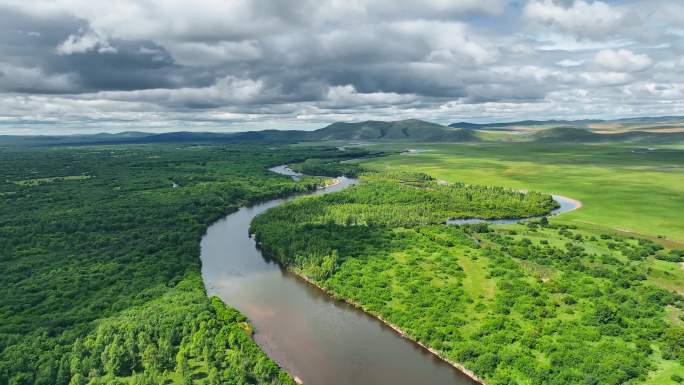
(578, 135)
(411, 129)
(408, 130)
(523, 123)
(626, 123)
(636, 130)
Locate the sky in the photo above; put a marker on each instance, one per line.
(85, 66)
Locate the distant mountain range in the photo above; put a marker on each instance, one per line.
(570, 123)
(661, 129)
(410, 130)
(579, 135)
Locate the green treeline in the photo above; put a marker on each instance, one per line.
(180, 337)
(331, 167)
(412, 199)
(99, 253)
(530, 303)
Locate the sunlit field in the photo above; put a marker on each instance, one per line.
(623, 188)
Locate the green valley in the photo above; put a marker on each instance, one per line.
(367, 192)
(529, 303)
(102, 280)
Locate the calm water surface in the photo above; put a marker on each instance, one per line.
(318, 339)
(566, 204)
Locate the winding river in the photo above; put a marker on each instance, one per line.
(565, 204)
(319, 340)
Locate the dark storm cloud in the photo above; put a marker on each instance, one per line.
(30, 42)
(30, 38)
(134, 65)
(290, 55)
(268, 61)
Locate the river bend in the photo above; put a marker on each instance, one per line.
(319, 340)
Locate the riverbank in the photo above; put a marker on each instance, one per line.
(308, 333)
(565, 204)
(470, 374)
(330, 183)
(406, 277)
(577, 204)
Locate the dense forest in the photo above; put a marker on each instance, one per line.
(531, 303)
(327, 167)
(100, 283)
(412, 199)
(99, 253)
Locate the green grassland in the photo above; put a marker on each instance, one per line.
(629, 189)
(531, 303)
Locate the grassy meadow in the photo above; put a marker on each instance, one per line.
(630, 189)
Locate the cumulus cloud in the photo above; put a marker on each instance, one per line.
(264, 63)
(228, 90)
(447, 41)
(585, 19)
(215, 53)
(88, 41)
(34, 80)
(428, 8)
(347, 96)
(622, 60)
(570, 63)
(602, 79)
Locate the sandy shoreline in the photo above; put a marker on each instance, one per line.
(577, 203)
(334, 182)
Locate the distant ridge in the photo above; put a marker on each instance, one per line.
(69, 139)
(475, 126)
(411, 130)
(637, 130)
(525, 123)
(575, 135)
(567, 134)
(573, 123)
